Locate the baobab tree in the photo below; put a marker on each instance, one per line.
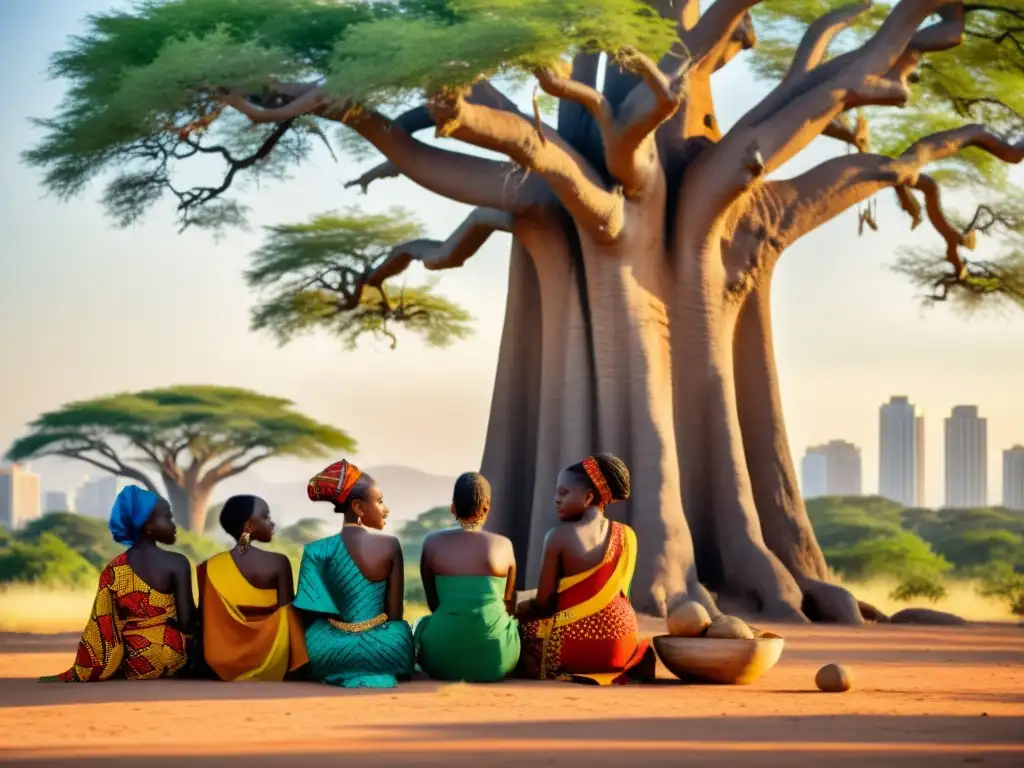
(644, 235)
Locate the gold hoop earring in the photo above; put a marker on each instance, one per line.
(244, 541)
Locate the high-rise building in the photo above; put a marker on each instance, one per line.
(833, 469)
(95, 497)
(20, 500)
(966, 458)
(844, 469)
(901, 452)
(1013, 478)
(814, 474)
(58, 501)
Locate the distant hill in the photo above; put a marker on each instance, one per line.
(407, 492)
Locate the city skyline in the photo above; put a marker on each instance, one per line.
(966, 469)
(146, 306)
(830, 468)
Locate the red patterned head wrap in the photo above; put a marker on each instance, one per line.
(597, 478)
(334, 484)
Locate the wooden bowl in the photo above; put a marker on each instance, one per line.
(717, 660)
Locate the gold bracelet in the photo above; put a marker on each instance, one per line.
(359, 626)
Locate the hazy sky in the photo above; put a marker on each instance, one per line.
(87, 309)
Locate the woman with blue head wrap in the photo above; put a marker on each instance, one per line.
(144, 606)
(130, 513)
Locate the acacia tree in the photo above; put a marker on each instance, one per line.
(193, 436)
(644, 235)
(313, 275)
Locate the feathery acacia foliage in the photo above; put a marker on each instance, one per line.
(313, 275)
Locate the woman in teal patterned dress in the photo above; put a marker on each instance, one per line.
(350, 589)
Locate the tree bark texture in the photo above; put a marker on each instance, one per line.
(190, 501)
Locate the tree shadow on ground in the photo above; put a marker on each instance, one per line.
(846, 741)
(29, 692)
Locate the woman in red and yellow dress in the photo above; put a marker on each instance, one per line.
(143, 605)
(581, 626)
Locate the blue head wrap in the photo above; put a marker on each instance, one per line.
(131, 510)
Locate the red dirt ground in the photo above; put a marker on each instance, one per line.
(922, 696)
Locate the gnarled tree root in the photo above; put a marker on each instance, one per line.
(871, 613)
(927, 616)
(829, 603)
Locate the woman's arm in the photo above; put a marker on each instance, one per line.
(427, 576)
(183, 600)
(510, 582)
(200, 586)
(396, 586)
(546, 602)
(285, 582)
(311, 596)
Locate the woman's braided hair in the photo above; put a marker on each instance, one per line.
(471, 496)
(612, 469)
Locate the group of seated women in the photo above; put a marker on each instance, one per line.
(343, 625)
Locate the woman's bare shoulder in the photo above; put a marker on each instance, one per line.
(560, 534)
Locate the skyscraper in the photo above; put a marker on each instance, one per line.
(94, 498)
(966, 458)
(20, 500)
(1013, 478)
(814, 474)
(901, 452)
(58, 501)
(833, 469)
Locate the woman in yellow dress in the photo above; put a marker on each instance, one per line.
(249, 629)
(143, 607)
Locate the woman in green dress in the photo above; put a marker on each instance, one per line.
(350, 589)
(469, 577)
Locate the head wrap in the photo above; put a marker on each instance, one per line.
(597, 478)
(132, 509)
(334, 484)
(236, 513)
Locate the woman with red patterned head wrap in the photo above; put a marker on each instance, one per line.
(350, 588)
(581, 626)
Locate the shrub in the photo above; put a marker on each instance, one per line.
(88, 536)
(46, 562)
(902, 555)
(915, 587)
(1005, 583)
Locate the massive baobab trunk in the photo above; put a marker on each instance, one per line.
(509, 460)
(780, 506)
(638, 318)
